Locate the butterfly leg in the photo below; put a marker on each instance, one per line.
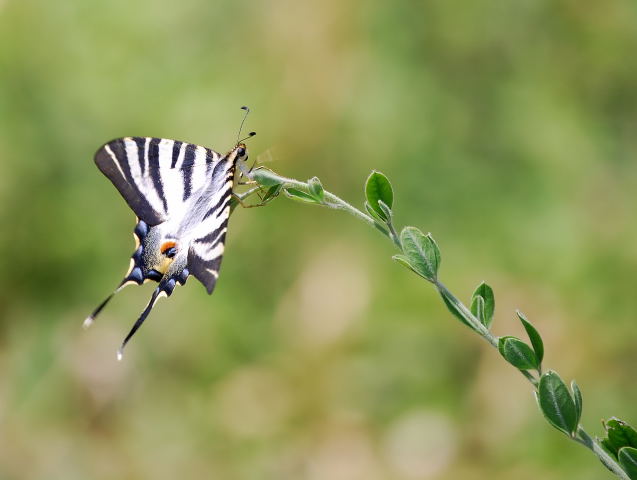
(254, 162)
(264, 201)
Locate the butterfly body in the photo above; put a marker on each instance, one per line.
(180, 193)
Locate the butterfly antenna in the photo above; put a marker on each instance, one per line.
(247, 110)
(88, 321)
(153, 299)
(251, 134)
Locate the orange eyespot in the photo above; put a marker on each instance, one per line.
(169, 249)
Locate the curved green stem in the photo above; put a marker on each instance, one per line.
(332, 201)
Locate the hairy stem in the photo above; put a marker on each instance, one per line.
(604, 457)
(332, 201)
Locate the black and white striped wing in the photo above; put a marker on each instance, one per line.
(209, 234)
(156, 176)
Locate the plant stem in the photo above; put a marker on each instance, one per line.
(332, 201)
(604, 457)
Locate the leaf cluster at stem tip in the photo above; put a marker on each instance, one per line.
(621, 443)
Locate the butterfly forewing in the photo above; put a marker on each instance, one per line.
(155, 176)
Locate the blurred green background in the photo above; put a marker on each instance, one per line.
(509, 130)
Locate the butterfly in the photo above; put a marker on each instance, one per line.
(181, 194)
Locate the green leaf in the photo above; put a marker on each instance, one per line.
(477, 308)
(628, 460)
(577, 397)
(378, 188)
(373, 213)
(421, 252)
(501, 341)
(556, 403)
(316, 189)
(272, 192)
(386, 210)
(517, 353)
(266, 177)
(608, 447)
(403, 261)
(619, 434)
(483, 290)
(534, 336)
(454, 307)
(299, 195)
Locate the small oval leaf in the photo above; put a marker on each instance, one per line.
(272, 192)
(404, 261)
(628, 460)
(316, 189)
(299, 195)
(486, 292)
(577, 397)
(422, 252)
(477, 308)
(517, 353)
(534, 336)
(377, 187)
(501, 341)
(386, 210)
(556, 403)
(373, 213)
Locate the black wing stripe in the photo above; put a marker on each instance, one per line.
(141, 152)
(186, 169)
(209, 162)
(138, 147)
(219, 168)
(125, 160)
(207, 271)
(155, 174)
(176, 148)
(189, 157)
(213, 238)
(113, 162)
(216, 209)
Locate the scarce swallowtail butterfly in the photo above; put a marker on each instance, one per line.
(181, 195)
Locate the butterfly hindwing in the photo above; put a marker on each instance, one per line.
(205, 253)
(209, 235)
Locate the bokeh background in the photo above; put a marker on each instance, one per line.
(509, 130)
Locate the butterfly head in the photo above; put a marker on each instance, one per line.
(240, 152)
